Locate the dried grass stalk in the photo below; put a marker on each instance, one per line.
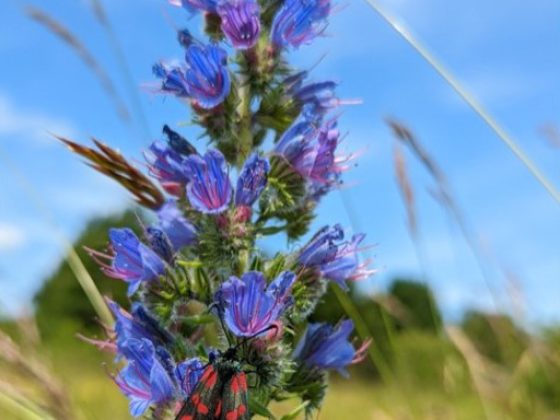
(552, 135)
(27, 364)
(405, 187)
(489, 379)
(112, 164)
(79, 48)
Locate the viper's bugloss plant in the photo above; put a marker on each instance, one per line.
(217, 327)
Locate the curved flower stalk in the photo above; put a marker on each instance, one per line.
(199, 270)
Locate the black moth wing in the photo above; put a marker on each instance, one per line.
(205, 402)
(234, 398)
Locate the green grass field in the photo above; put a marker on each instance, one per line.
(430, 380)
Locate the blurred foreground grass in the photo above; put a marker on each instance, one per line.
(431, 381)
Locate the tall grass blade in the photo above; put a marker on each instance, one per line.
(487, 378)
(467, 97)
(405, 188)
(408, 197)
(85, 55)
(101, 16)
(74, 261)
(446, 199)
(21, 408)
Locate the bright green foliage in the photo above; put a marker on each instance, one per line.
(419, 304)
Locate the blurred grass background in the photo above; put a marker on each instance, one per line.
(485, 367)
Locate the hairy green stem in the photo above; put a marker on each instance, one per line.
(244, 112)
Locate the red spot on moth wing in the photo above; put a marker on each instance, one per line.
(232, 415)
(202, 408)
(235, 385)
(218, 411)
(195, 399)
(241, 409)
(239, 383)
(209, 377)
(242, 379)
(186, 417)
(237, 413)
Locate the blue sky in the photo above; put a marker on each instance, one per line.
(504, 52)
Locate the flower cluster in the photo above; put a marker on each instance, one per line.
(194, 272)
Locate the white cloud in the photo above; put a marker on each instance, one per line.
(11, 237)
(17, 122)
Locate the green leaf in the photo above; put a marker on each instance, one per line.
(284, 192)
(271, 230)
(295, 412)
(275, 266)
(257, 407)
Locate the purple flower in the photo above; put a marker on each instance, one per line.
(334, 259)
(188, 373)
(311, 149)
(324, 166)
(207, 76)
(173, 80)
(302, 131)
(320, 95)
(209, 188)
(138, 325)
(145, 380)
(204, 78)
(178, 229)
(327, 347)
(165, 161)
(297, 22)
(322, 246)
(195, 5)
(240, 22)
(166, 165)
(345, 264)
(160, 243)
(249, 307)
(252, 180)
(132, 261)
